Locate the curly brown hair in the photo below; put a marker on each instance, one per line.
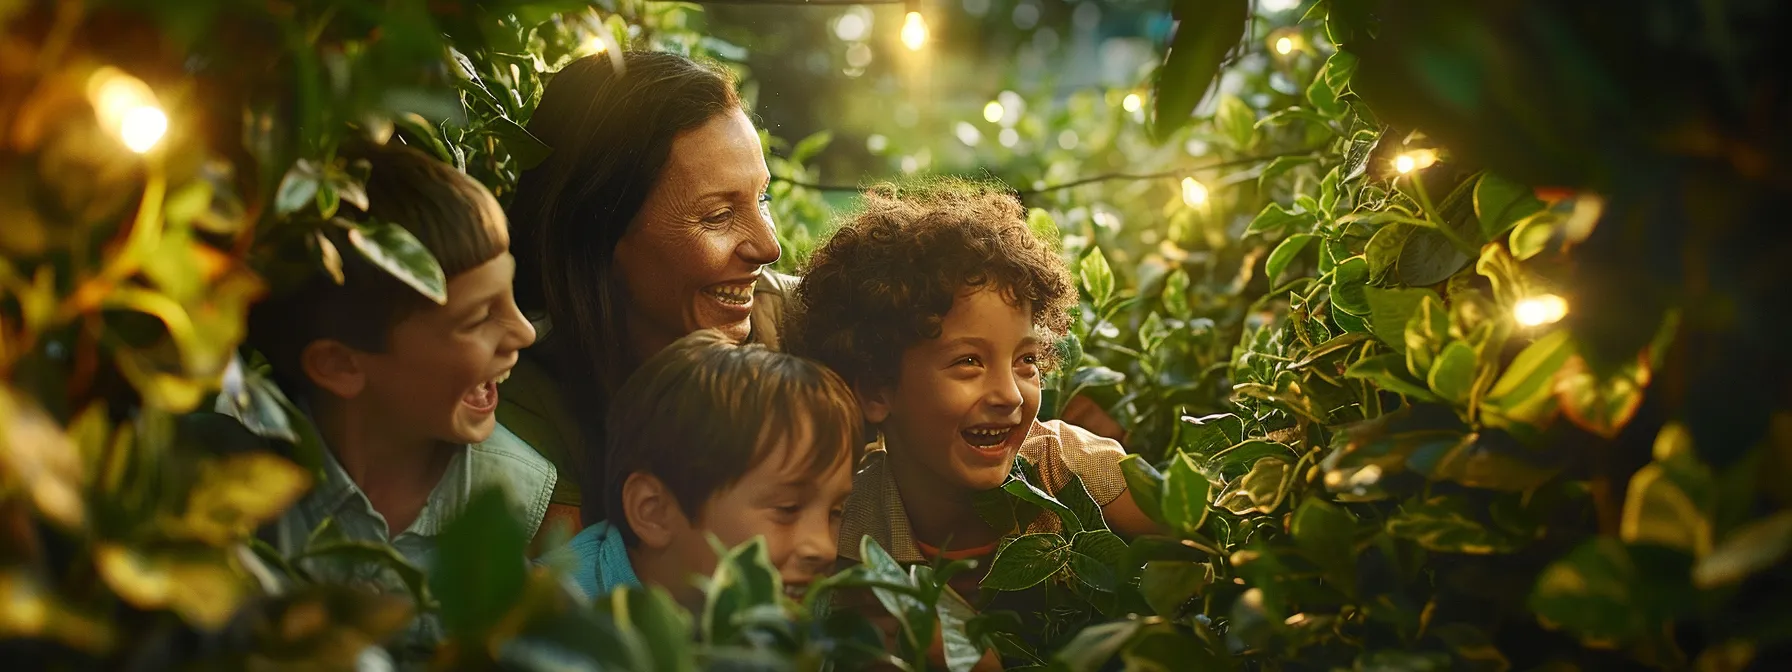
(886, 278)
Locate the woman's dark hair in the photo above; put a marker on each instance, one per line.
(610, 122)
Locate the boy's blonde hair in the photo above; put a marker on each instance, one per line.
(705, 411)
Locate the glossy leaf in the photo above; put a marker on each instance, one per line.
(1607, 592)
(1602, 406)
(1186, 493)
(1276, 217)
(1096, 645)
(1323, 531)
(235, 494)
(1525, 392)
(1388, 372)
(1097, 278)
(1447, 524)
(1390, 310)
(1453, 375)
(476, 576)
(1146, 486)
(399, 253)
(1501, 203)
(1748, 549)
(1095, 557)
(1348, 290)
(1168, 585)
(1235, 121)
(1205, 32)
(1027, 561)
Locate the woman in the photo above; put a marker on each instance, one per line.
(646, 223)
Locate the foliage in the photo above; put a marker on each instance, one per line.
(1331, 346)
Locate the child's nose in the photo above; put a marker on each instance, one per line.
(1004, 389)
(817, 545)
(521, 333)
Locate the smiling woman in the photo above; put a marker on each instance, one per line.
(646, 223)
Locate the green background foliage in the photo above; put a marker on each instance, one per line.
(1367, 448)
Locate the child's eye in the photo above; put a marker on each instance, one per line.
(971, 360)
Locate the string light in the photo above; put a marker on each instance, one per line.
(127, 108)
(1193, 192)
(1418, 159)
(993, 112)
(914, 30)
(1133, 102)
(1540, 310)
(1285, 46)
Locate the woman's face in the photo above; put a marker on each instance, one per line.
(692, 255)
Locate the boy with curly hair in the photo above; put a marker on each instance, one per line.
(940, 307)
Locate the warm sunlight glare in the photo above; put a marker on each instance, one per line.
(1285, 46)
(1133, 102)
(1193, 192)
(1540, 310)
(127, 108)
(914, 31)
(993, 112)
(142, 127)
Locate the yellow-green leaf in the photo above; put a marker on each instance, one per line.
(238, 493)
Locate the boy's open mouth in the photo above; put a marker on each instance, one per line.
(484, 398)
(988, 436)
(796, 590)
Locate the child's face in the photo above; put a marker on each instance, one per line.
(963, 402)
(799, 515)
(438, 376)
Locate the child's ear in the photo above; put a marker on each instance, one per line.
(334, 367)
(651, 510)
(873, 402)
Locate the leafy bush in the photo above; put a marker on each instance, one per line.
(1455, 350)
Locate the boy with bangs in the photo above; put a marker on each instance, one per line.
(738, 441)
(402, 391)
(940, 307)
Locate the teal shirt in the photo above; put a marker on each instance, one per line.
(599, 561)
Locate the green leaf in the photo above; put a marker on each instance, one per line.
(653, 618)
(808, 147)
(1075, 496)
(1169, 584)
(1532, 234)
(1235, 121)
(528, 150)
(1383, 250)
(1669, 506)
(1240, 457)
(1276, 217)
(1027, 561)
(1348, 286)
(1500, 204)
(961, 649)
(1426, 335)
(1602, 406)
(298, 188)
(1175, 296)
(880, 567)
(1031, 494)
(1472, 647)
(1186, 493)
(1324, 532)
(374, 554)
(394, 250)
(1452, 376)
(1388, 372)
(1265, 485)
(1164, 648)
(1096, 644)
(1095, 558)
(1282, 164)
(1145, 484)
(1755, 546)
(1097, 277)
(744, 581)
(1204, 436)
(1390, 310)
(1525, 392)
(1043, 225)
(1446, 524)
(1324, 98)
(1205, 32)
(478, 572)
(1285, 253)
(1610, 593)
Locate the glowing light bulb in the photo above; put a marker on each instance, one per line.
(914, 31)
(993, 112)
(1133, 102)
(142, 127)
(1285, 46)
(127, 108)
(1418, 159)
(1540, 310)
(1193, 192)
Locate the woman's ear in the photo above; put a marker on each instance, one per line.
(874, 403)
(334, 367)
(651, 510)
